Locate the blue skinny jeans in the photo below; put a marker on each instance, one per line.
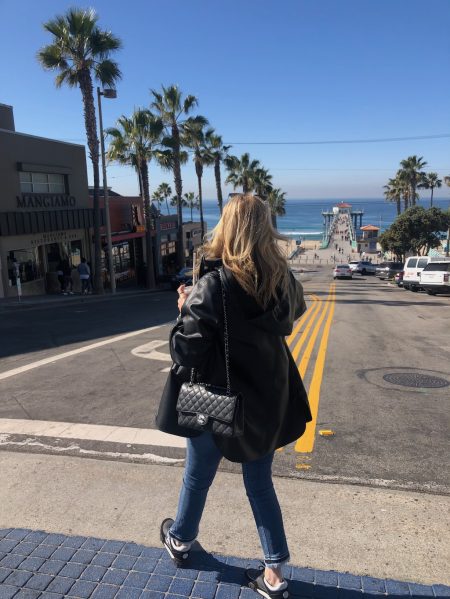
(202, 461)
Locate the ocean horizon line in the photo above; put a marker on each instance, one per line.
(350, 200)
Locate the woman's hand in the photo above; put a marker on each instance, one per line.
(183, 293)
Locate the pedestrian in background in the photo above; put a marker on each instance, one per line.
(85, 274)
(263, 299)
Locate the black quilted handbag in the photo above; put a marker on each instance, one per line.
(212, 408)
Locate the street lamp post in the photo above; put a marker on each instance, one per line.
(111, 94)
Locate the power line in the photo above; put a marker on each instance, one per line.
(336, 141)
(321, 142)
(438, 168)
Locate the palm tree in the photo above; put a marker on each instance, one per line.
(164, 191)
(430, 181)
(217, 152)
(241, 172)
(194, 138)
(277, 202)
(191, 202)
(403, 182)
(156, 197)
(80, 52)
(174, 202)
(394, 192)
(135, 141)
(172, 107)
(412, 173)
(263, 183)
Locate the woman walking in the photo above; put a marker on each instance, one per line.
(263, 299)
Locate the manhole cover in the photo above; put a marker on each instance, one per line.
(406, 379)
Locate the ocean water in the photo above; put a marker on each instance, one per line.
(304, 219)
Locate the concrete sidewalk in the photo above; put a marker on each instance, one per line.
(381, 533)
(44, 301)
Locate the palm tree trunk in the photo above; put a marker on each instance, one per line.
(218, 183)
(274, 220)
(431, 199)
(90, 122)
(399, 206)
(167, 206)
(405, 201)
(148, 227)
(199, 170)
(179, 192)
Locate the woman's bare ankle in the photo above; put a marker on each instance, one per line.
(273, 576)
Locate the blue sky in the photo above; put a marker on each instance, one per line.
(291, 70)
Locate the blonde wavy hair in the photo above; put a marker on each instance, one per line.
(246, 242)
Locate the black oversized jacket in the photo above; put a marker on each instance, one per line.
(276, 407)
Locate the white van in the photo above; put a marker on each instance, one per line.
(411, 271)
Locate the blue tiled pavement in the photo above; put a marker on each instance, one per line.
(36, 564)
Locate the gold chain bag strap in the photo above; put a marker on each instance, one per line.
(212, 408)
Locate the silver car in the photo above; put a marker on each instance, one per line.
(342, 271)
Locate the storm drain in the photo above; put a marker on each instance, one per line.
(418, 381)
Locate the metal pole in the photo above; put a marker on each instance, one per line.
(112, 275)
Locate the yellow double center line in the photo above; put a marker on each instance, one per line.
(306, 443)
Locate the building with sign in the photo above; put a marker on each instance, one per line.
(128, 239)
(45, 212)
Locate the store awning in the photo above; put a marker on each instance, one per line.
(123, 237)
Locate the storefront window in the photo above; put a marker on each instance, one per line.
(26, 263)
(168, 248)
(42, 183)
(123, 261)
(121, 257)
(75, 252)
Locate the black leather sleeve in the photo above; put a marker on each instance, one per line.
(192, 337)
(299, 299)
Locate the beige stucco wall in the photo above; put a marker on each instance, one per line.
(19, 147)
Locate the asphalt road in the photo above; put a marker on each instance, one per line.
(354, 334)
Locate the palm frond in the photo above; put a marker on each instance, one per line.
(102, 43)
(69, 76)
(51, 57)
(189, 103)
(107, 72)
(56, 26)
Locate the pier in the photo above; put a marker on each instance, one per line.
(330, 219)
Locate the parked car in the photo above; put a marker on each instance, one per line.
(398, 278)
(183, 277)
(435, 277)
(362, 267)
(387, 270)
(353, 264)
(342, 271)
(365, 267)
(413, 267)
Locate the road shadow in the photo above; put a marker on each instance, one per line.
(64, 324)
